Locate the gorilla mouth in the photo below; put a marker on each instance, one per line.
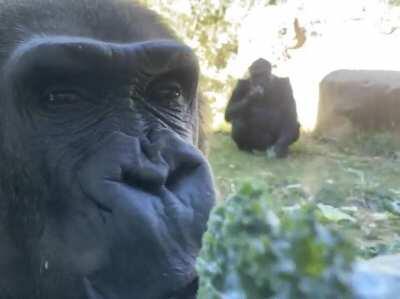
(189, 291)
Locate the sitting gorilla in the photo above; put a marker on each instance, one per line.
(103, 192)
(262, 111)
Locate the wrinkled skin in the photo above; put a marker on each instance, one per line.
(103, 192)
(262, 111)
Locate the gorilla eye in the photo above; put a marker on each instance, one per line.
(166, 92)
(62, 97)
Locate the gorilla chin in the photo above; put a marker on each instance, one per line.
(104, 193)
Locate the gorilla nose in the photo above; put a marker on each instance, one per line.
(147, 178)
(163, 160)
(154, 163)
(149, 171)
(183, 161)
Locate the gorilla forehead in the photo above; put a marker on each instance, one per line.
(119, 21)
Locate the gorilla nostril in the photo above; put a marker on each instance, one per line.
(174, 178)
(136, 181)
(148, 178)
(178, 175)
(128, 178)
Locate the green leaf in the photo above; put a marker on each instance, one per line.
(251, 253)
(334, 214)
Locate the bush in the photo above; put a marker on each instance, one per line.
(251, 253)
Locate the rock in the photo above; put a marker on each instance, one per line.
(367, 100)
(378, 278)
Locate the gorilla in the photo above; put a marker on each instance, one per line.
(262, 111)
(104, 193)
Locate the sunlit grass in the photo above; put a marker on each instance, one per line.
(359, 176)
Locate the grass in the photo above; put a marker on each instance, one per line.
(355, 182)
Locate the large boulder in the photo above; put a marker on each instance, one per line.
(367, 100)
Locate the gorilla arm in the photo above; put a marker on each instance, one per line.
(290, 129)
(238, 100)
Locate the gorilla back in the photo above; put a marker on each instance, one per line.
(103, 192)
(262, 111)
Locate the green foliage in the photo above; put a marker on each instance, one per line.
(203, 25)
(361, 185)
(211, 31)
(382, 144)
(251, 253)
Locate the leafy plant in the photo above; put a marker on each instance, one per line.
(211, 28)
(251, 252)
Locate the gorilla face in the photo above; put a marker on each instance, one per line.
(105, 193)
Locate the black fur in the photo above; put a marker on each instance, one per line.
(103, 192)
(262, 111)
